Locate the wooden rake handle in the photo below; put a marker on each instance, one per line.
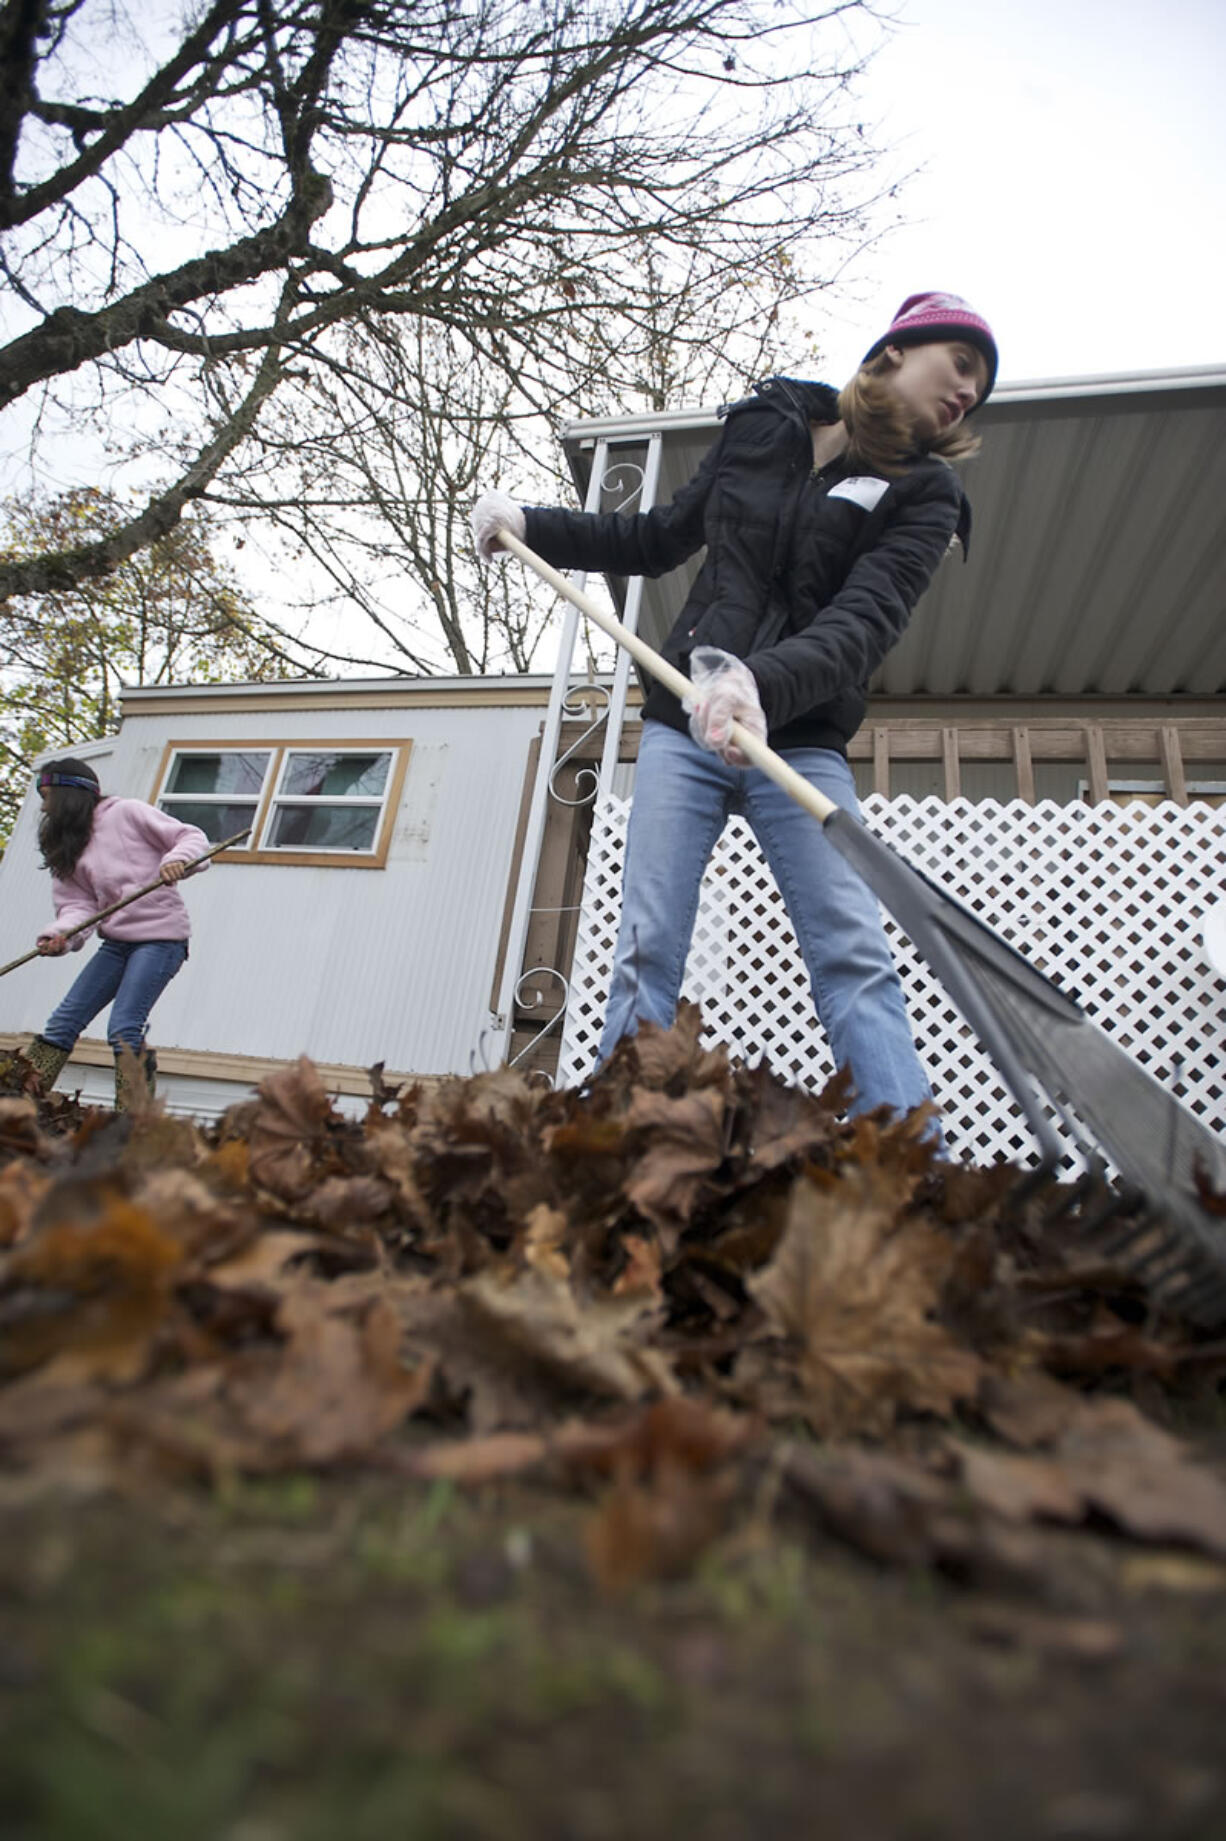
(101, 915)
(771, 764)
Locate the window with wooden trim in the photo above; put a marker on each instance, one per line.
(300, 801)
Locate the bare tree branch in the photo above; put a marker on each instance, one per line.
(241, 238)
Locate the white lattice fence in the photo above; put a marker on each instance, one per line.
(1106, 899)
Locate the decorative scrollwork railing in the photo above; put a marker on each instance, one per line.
(587, 778)
(532, 1000)
(609, 483)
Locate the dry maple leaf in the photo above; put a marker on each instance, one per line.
(784, 1122)
(1027, 1408)
(287, 1130)
(102, 1284)
(1110, 1460)
(685, 1145)
(391, 1151)
(343, 1203)
(337, 1389)
(22, 1188)
(118, 1246)
(544, 1242)
(641, 1274)
(1143, 1478)
(268, 1260)
(663, 1057)
(479, 1460)
(678, 1433)
(476, 1160)
(19, 1132)
(655, 1530)
(855, 1285)
(186, 1208)
(596, 1347)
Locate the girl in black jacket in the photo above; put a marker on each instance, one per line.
(824, 516)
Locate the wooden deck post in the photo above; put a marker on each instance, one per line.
(1024, 766)
(1172, 764)
(953, 772)
(881, 762)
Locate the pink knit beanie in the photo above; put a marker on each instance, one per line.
(924, 317)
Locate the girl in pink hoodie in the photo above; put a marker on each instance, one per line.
(99, 850)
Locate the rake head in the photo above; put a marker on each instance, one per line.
(1165, 1218)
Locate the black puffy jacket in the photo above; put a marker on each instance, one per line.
(810, 577)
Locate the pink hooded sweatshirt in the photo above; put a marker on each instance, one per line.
(127, 847)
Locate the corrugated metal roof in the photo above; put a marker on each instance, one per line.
(1098, 560)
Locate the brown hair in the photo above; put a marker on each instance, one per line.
(68, 817)
(880, 432)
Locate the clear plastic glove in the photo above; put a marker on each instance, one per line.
(724, 692)
(494, 512)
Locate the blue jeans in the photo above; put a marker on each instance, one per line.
(134, 973)
(682, 799)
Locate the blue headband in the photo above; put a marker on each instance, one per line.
(47, 778)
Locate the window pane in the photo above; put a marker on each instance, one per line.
(231, 772)
(339, 776)
(323, 827)
(216, 821)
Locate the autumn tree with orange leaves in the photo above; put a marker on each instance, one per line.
(171, 614)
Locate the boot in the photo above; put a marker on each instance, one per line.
(46, 1060)
(135, 1078)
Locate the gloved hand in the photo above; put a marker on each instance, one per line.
(724, 692)
(493, 512)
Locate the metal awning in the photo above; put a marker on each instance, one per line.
(1098, 553)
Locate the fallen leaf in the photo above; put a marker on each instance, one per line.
(186, 1209)
(663, 1057)
(1020, 1488)
(19, 1132)
(1143, 1478)
(1112, 1461)
(268, 1259)
(287, 1128)
(479, 1460)
(1026, 1409)
(336, 1390)
(22, 1187)
(787, 1122)
(640, 1276)
(655, 1530)
(683, 1147)
(596, 1347)
(341, 1203)
(679, 1433)
(854, 1285)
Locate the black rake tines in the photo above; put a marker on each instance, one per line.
(1056, 1061)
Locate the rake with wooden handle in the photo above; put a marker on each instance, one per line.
(126, 902)
(1167, 1221)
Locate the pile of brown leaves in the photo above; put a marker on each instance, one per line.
(689, 1280)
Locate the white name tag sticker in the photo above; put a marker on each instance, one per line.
(861, 489)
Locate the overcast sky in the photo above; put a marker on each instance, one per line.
(1075, 180)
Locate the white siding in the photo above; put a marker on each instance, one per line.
(346, 965)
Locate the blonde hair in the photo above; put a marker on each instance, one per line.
(880, 432)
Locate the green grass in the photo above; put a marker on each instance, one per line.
(357, 1659)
